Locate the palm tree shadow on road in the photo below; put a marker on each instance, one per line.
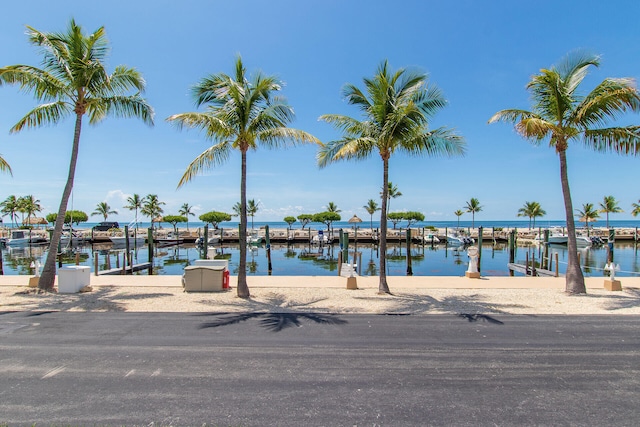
(273, 322)
(275, 315)
(471, 307)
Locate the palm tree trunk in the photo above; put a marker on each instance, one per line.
(383, 287)
(48, 277)
(575, 278)
(243, 288)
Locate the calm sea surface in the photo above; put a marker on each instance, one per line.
(303, 260)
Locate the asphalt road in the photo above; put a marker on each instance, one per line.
(261, 369)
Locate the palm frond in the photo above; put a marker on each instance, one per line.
(535, 128)
(512, 116)
(120, 106)
(354, 96)
(438, 142)
(4, 166)
(345, 149)
(620, 140)
(609, 99)
(549, 95)
(574, 67)
(125, 79)
(346, 124)
(430, 101)
(212, 156)
(44, 114)
(214, 127)
(284, 136)
(43, 85)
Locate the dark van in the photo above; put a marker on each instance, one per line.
(104, 226)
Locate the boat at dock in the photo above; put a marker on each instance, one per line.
(122, 240)
(24, 238)
(563, 239)
(456, 240)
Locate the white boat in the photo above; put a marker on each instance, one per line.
(71, 237)
(24, 238)
(558, 239)
(169, 240)
(563, 239)
(320, 239)
(122, 240)
(253, 238)
(430, 238)
(453, 240)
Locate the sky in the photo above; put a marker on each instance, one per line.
(481, 54)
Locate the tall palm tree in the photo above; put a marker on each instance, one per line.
(237, 209)
(252, 209)
(152, 207)
(134, 203)
(242, 114)
(371, 207)
(11, 206)
(74, 81)
(609, 205)
(531, 210)
(392, 193)
(561, 115)
(29, 205)
(587, 214)
(332, 207)
(104, 209)
(185, 210)
(458, 213)
(473, 206)
(636, 208)
(396, 107)
(4, 166)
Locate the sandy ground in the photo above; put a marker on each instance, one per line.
(412, 295)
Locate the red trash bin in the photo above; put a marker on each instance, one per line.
(225, 280)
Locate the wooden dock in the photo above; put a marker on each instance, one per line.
(125, 270)
(528, 270)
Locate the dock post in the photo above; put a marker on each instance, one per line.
(546, 249)
(512, 246)
(126, 240)
(480, 231)
(409, 266)
(268, 244)
(204, 254)
(95, 263)
(345, 251)
(557, 273)
(150, 246)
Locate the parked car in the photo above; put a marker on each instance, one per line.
(106, 225)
